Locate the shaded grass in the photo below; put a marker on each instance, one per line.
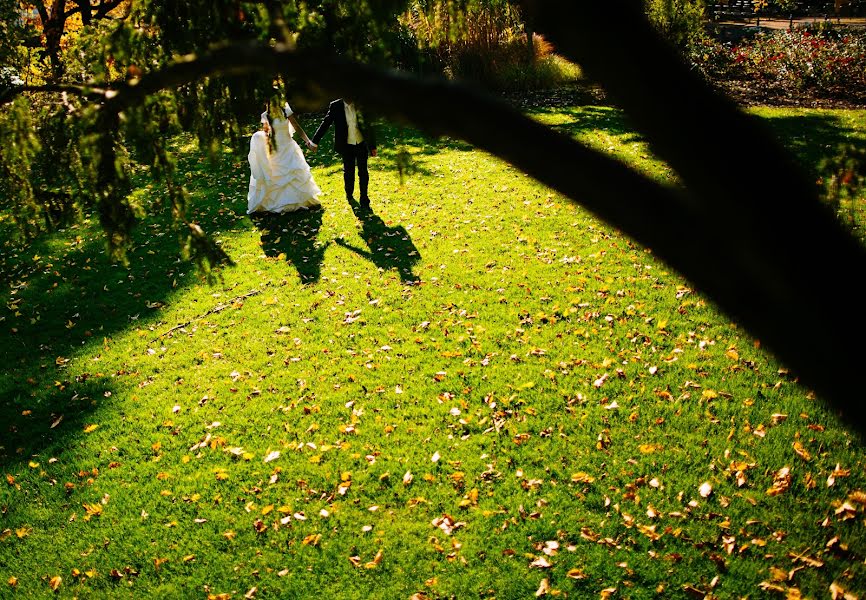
(573, 388)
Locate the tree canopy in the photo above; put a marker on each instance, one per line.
(767, 252)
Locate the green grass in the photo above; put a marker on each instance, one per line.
(572, 387)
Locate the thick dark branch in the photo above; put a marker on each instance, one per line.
(791, 267)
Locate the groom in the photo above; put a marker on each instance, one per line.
(353, 139)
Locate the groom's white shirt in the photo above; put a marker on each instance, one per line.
(354, 134)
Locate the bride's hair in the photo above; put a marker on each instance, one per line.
(271, 105)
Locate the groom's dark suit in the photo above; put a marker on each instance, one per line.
(351, 154)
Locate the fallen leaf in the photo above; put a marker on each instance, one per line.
(837, 592)
(781, 482)
(375, 562)
(801, 451)
(706, 489)
(54, 582)
(543, 588)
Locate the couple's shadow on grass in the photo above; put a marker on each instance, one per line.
(390, 248)
(295, 237)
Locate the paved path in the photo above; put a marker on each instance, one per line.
(776, 23)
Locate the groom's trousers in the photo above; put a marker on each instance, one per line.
(355, 154)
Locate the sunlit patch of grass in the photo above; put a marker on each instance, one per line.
(472, 389)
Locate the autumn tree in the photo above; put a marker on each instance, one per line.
(768, 252)
(57, 19)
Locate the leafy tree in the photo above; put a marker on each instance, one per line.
(765, 252)
(55, 18)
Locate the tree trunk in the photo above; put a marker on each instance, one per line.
(52, 28)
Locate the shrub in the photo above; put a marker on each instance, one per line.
(681, 22)
(823, 60)
(487, 44)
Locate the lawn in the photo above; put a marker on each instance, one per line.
(476, 389)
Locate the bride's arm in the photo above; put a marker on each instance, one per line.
(298, 127)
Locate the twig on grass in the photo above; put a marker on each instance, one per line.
(218, 308)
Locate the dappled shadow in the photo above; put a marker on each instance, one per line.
(65, 299)
(584, 119)
(813, 137)
(294, 237)
(392, 140)
(390, 248)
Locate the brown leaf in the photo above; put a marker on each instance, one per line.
(837, 592)
(781, 482)
(769, 586)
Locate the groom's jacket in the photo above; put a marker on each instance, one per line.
(337, 116)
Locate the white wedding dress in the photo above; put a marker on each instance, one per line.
(280, 179)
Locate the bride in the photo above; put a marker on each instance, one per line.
(280, 178)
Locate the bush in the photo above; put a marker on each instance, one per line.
(486, 44)
(823, 60)
(681, 22)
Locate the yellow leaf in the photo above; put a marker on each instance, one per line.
(801, 451)
(732, 354)
(33, 465)
(709, 395)
(375, 562)
(230, 535)
(267, 509)
(91, 428)
(13, 581)
(55, 582)
(22, 532)
(581, 477)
